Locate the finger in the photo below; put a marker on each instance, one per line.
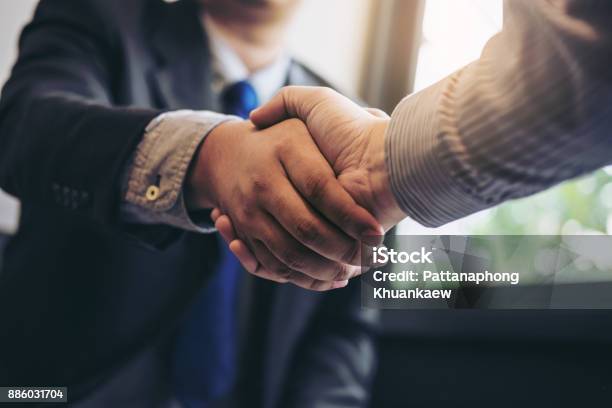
(268, 267)
(272, 269)
(291, 213)
(378, 113)
(244, 255)
(225, 228)
(215, 213)
(251, 264)
(313, 177)
(295, 256)
(305, 282)
(289, 102)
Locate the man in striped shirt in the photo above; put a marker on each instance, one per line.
(533, 111)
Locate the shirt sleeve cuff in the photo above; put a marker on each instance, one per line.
(156, 174)
(417, 159)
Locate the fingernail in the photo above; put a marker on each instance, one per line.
(339, 284)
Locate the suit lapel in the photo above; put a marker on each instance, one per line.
(291, 311)
(181, 76)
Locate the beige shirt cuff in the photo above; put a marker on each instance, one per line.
(156, 174)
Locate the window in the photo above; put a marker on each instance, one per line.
(454, 33)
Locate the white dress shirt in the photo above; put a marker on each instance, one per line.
(228, 68)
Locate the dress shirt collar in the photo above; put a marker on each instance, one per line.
(228, 68)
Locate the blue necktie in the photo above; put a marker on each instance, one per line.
(204, 365)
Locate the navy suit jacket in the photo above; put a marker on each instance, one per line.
(84, 296)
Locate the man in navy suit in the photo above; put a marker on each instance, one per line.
(120, 128)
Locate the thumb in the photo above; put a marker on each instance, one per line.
(289, 102)
(377, 113)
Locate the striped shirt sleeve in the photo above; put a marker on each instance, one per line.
(534, 110)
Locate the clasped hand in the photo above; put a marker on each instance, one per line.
(299, 188)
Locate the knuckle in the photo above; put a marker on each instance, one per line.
(246, 213)
(290, 130)
(351, 253)
(316, 186)
(296, 124)
(349, 218)
(283, 146)
(289, 90)
(297, 130)
(293, 260)
(346, 217)
(342, 273)
(307, 232)
(260, 185)
(242, 222)
(285, 94)
(317, 285)
(283, 272)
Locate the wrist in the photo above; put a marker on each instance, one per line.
(205, 168)
(386, 207)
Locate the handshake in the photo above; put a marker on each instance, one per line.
(298, 188)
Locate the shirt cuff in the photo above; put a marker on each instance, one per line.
(154, 178)
(418, 160)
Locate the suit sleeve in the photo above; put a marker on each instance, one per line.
(534, 110)
(335, 362)
(63, 143)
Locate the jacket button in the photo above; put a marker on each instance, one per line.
(152, 193)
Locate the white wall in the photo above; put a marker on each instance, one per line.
(13, 15)
(330, 36)
(323, 31)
